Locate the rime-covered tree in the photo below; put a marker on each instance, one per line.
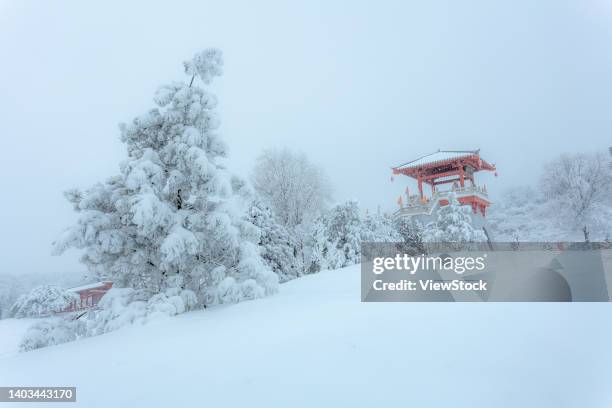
(41, 301)
(453, 224)
(14, 285)
(580, 181)
(10, 290)
(296, 190)
(578, 188)
(523, 214)
(170, 219)
(574, 192)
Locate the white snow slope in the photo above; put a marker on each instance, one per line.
(316, 345)
(11, 333)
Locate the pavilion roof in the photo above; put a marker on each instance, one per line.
(95, 285)
(437, 157)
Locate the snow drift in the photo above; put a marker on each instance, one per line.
(316, 344)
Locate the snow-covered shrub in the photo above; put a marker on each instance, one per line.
(41, 301)
(170, 218)
(453, 224)
(52, 331)
(119, 307)
(124, 306)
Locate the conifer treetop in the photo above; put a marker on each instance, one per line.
(205, 64)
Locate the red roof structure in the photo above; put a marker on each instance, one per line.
(89, 295)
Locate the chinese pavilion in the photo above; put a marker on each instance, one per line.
(452, 168)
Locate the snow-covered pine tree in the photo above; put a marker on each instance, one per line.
(171, 218)
(453, 224)
(278, 248)
(318, 248)
(336, 237)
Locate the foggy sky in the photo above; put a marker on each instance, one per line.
(357, 86)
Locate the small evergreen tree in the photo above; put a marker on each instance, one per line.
(411, 234)
(336, 237)
(42, 301)
(378, 228)
(278, 248)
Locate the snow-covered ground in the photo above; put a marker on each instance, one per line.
(315, 344)
(11, 332)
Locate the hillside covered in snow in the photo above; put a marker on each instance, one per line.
(315, 343)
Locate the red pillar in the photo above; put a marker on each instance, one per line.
(421, 187)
